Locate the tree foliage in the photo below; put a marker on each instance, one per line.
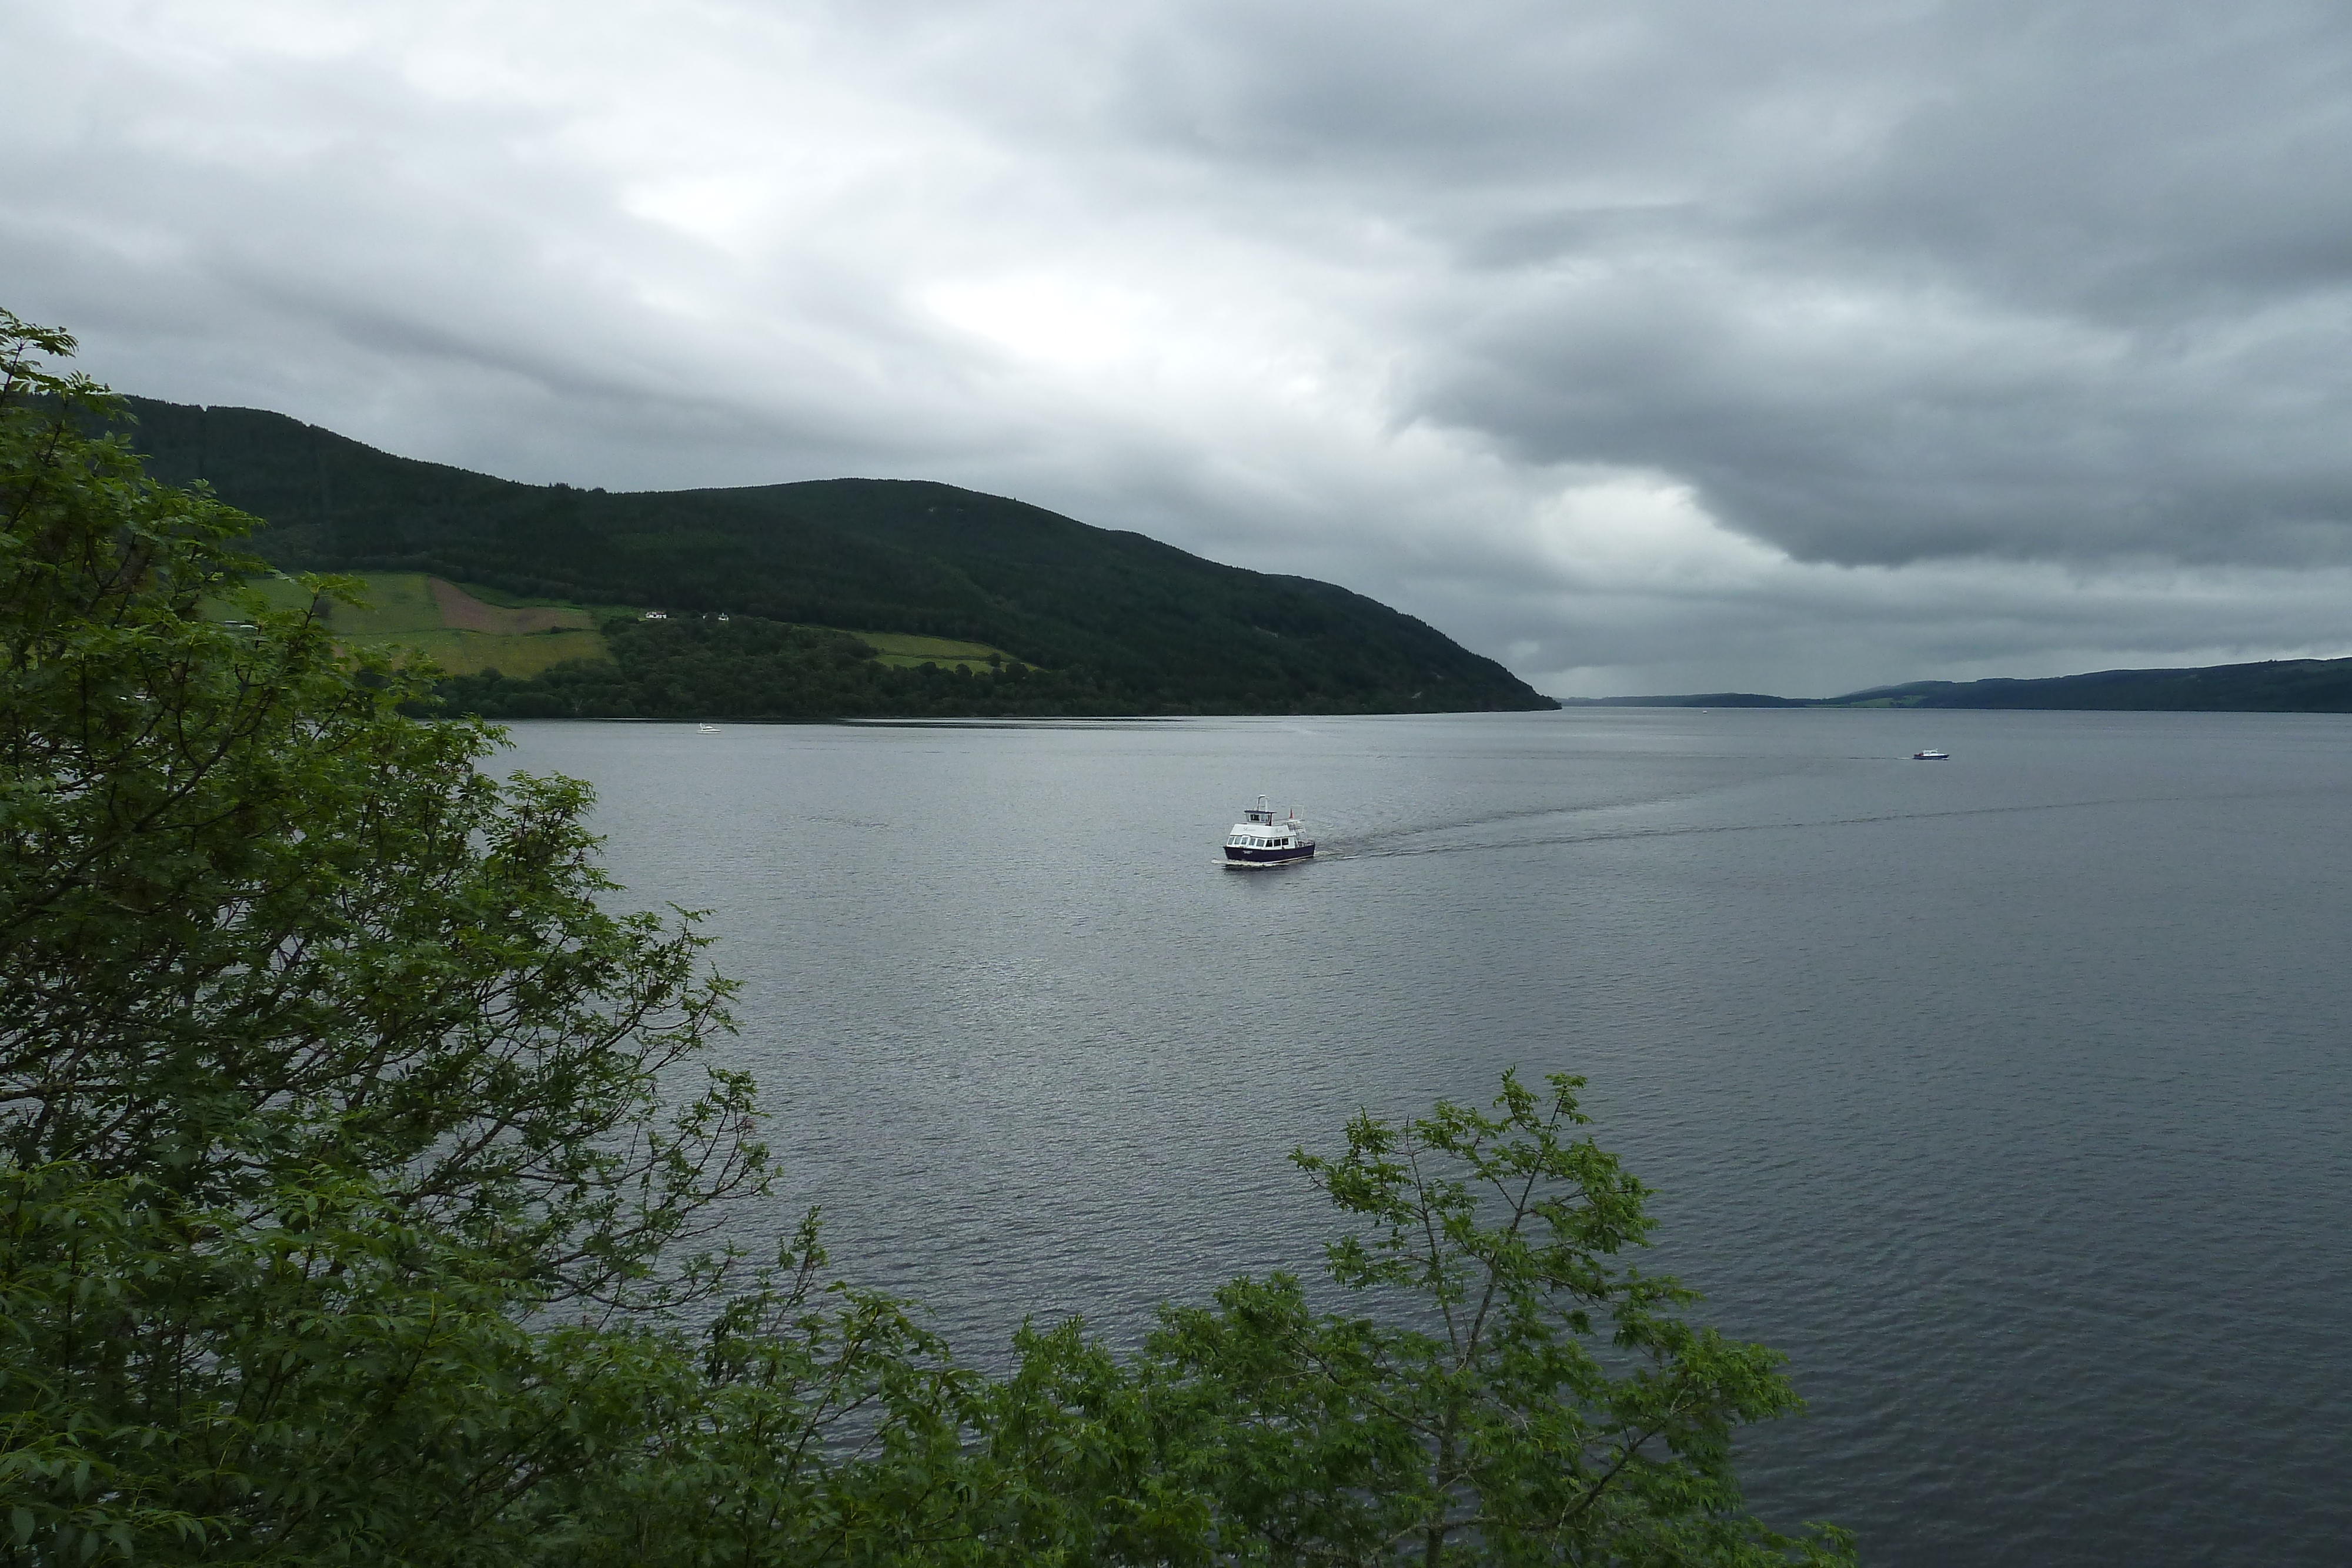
(257, 921)
(357, 1168)
(1528, 1400)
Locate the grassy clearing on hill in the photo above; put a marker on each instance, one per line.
(397, 605)
(462, 632)
(461, 611)
(594, 610)
(905, 650)
(468, 628)
(411, 613)
(471, 652)
(896, 650)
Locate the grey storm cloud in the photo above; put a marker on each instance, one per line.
(1885, 283)
(1638, 345)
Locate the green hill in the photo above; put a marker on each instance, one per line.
(2274, 685)
(1104, 622)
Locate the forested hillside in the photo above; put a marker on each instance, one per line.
(1122, 623)
(2274, 685)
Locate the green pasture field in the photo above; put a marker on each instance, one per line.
(905, 650)
(521, 655)
(281, 592)
(399, 613)
(900, 650)
(505, 600)
(397, 605)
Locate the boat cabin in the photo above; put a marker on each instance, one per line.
(1261, 838)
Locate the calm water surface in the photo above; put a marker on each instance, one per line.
(2009, 1095)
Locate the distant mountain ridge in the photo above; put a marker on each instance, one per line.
(2273, 685)
(1125, 623)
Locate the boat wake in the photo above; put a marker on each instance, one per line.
(1376, 851)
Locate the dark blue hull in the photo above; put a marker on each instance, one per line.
(1236, 855)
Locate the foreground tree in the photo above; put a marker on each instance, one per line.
(355, 1165)
(314, 1038)
(258, 921)
(1528, 1400)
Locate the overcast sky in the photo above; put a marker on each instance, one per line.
(1677, 345)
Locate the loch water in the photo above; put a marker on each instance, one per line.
(2010, 1095)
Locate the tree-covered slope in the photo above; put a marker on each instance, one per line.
(1138, 625)
(2274, 685)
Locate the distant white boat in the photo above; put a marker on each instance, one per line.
(1260, 840)
(706, 728)
(1931, 754)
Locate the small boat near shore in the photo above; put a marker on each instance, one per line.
(1931, 754)
(1262, 838)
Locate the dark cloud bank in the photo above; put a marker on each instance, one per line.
(1672, 345)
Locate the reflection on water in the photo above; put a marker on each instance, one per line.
(2007, 1094)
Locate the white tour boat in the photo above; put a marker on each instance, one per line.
(1931, 754)
(1261, 839)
